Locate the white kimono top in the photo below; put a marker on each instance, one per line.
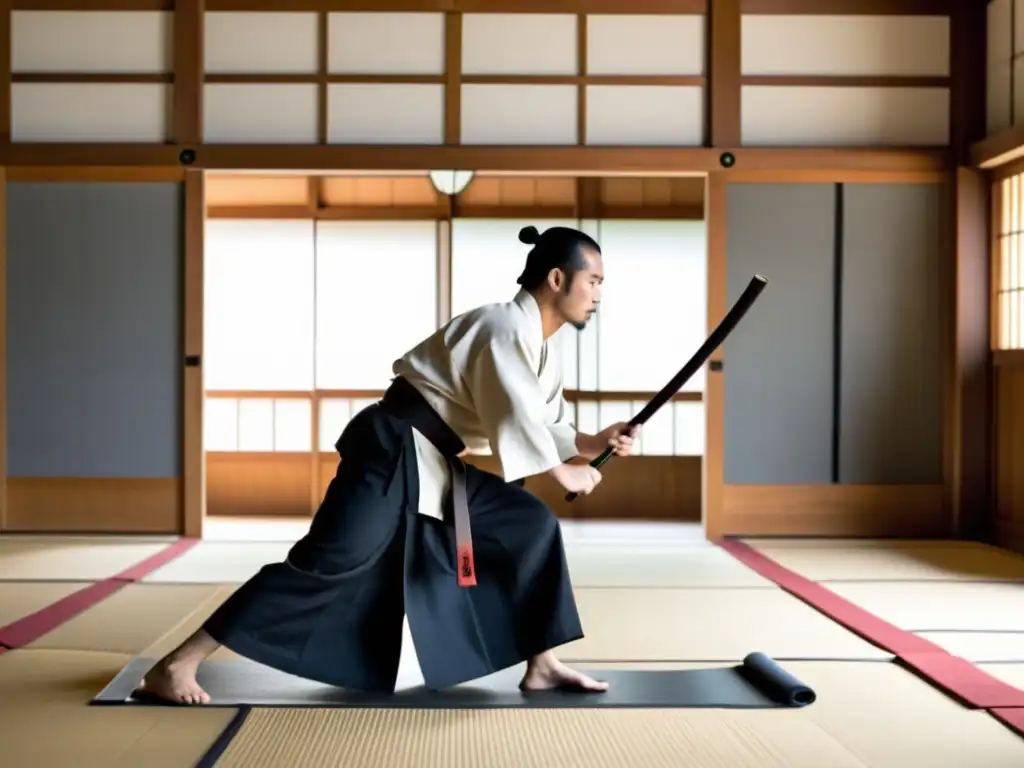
(494, 380)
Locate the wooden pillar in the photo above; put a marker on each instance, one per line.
(188, 132)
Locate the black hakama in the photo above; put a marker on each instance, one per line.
(333, 611)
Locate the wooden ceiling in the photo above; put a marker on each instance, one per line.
(346, 196)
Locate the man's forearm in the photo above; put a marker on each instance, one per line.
(589, 446)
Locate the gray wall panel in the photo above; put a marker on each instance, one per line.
(94, 328)
(779, 361)
(891, 413)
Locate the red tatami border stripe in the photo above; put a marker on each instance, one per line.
(956, 675)
(30, 628)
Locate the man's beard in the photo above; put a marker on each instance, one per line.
(583, 323)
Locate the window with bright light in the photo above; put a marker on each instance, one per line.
(1010, 264)
(376, 297)
(677, 429)
(259, 425)
(653, 314)
(258, 322)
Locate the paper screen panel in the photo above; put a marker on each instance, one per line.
(844, 116)
(220, 424)
(519, 44)
(999, 84)
(259, 113)
(359, 332)
(258, 329)
(90, 112)
(677, 429)
(645, 45)
(137, 42)
(386, 43)
(519, 114)
(645, 115)
(293, 425)
(385, 113)
(263, 425)
(845, 45)
(260, 43)
(653, 313)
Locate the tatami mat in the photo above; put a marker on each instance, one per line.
(19, 599)
(921, 606)
(889, 561)
(215, 562)
(128, 621)
(606, 566)
(71, 559)
(890, 718)
(275, 738)
(980, 646)
(706, 624)
(41, 677)
(99, 737)
(875, 715)
(45, 720)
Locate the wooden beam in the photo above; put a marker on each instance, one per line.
(464, 6)
(89, 155)
(999, 148)
(92, 5)
(713, 478)
(5, 72)
(850, 7)
(453, 79)
(967, 66)
(722, 94)
(188, 72)
(785, 7)
(647, 161)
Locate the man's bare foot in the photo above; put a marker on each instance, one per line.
(175, 682)
(546, 672)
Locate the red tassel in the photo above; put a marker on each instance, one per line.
(467, 569)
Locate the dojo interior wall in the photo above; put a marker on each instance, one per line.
(93, 352)
(1001, 152)
(847, 76)
(450, 254)
(276, 87)
(837, 390)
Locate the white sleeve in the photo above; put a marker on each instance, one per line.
(559, 414)
(512, 408)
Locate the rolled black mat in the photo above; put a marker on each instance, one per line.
(758, 683)
(765, 674)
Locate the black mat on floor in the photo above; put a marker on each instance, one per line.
(758, 683)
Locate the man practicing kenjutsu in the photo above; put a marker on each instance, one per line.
(383, 544)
